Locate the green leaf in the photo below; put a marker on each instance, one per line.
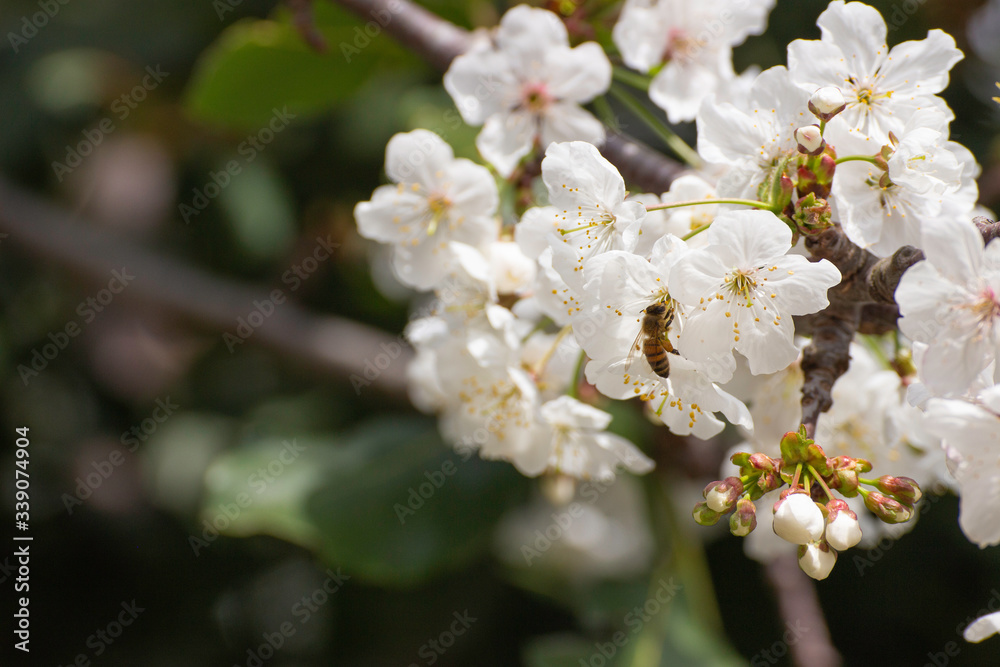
(558, 651)
(257, 66)
(411, 510)
(392, 505)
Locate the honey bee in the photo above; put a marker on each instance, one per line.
(652, 339)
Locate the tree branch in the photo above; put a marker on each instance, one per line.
(799, 605)
(332, 345)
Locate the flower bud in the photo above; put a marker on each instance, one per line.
(903, 489)
(827, 102)
(721, 496)
(887, 509)
(817, 560)
(845, 480)
(812, 213)
(558, 489)
(704, 516)
(810, 140)
(762, 462)
(744, 519)
(797, 519)
(842, 528)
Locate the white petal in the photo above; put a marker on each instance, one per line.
(982, 628)
(414, 157)
(579, 74)
(505, 139)
(565, 121)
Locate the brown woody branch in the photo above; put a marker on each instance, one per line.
(328, 344)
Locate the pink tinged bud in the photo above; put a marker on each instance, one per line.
(762, 462)
(797, 519)
(903, 489)
(827, 102)
(721, 496)
(817, 560)
(704, 516)
(744, 519)
(810, 140)
(887, 509)
(843, 530)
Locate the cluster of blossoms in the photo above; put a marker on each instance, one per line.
(553, 284)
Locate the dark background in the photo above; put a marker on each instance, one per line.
(132, 538)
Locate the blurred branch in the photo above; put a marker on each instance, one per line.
(331, 345)
(799, 605)
(439, 41)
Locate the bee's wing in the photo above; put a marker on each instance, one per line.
(635, 351)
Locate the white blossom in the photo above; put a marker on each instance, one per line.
(743, 289)
(526, 87)
(882, 87)
(951, 301)
(588, 209)
(971, 434)
(437, 199)
(692, 41)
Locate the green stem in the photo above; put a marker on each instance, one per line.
(694, 232)
(704, 202)
(544, 361)
(819, 480)
(856, 158)
(676, 144)
(574, 386)
(630, 78)
(605, 112)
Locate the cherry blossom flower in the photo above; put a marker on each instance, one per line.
(929, 178)
(526, 86)
(691, 41)
(951, 301)
(882, 87)
(743, 289)
(971, 434)
(437, 199)
(752, 137)
(588, 208)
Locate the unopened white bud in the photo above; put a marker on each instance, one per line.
(827, 102)
(809, 139)
(817, 560)
(797, 519)
(843, 532)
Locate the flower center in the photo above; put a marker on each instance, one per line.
(742, 283)
(437, 204)
(680, 45)
(987, 309)
(535, 97)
